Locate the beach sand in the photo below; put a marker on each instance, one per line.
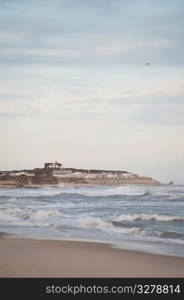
(50, 258)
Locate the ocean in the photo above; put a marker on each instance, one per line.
(143, 218)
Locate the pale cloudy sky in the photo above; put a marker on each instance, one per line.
(74, 86)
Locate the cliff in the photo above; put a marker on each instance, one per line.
(47, 177)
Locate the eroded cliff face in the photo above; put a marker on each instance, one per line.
(48, 179)
(107, 181)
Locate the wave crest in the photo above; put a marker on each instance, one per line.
(8, 214)
(96, 223)
(148, 217)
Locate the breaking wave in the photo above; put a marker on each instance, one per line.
(96, 223)
(116, 213)
(115, 192)
(148, 217)
(75, 192)
(27, 216)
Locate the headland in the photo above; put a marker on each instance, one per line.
(56, 174)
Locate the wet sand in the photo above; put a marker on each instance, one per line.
(50, 258)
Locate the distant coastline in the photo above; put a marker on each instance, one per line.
(53, 174)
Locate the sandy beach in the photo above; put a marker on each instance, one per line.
(51, 258)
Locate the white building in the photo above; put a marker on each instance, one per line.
(61, 173)
(21, 173)
(127, 175)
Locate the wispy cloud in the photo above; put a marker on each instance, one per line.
(164, 114)
(123, 47)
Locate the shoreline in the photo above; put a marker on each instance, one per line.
(24, 257)
(46, 185)
(143, 246)
(79, 185)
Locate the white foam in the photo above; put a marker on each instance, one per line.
(116, 190)
(96, 223)
(170, 195)
(30, 192)
(148, 217)
(26, 216)
(42, 214)
(92, 222)
(13, 213)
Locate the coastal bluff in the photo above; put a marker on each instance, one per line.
(55, 174)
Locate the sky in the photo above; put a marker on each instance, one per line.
(75, 85)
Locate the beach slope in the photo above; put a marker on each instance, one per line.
(50, 258)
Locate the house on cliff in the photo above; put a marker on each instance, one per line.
(54, 166)
(57, 169)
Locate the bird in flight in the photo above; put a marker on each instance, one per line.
(147, 64)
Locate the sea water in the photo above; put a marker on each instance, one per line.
(145, 218)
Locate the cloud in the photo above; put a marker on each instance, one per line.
(13, 106)
(40, 52)
(118, 48)
(167, 114)
(77, 68)
(164, 108)
(90, 33)
(11, 37)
